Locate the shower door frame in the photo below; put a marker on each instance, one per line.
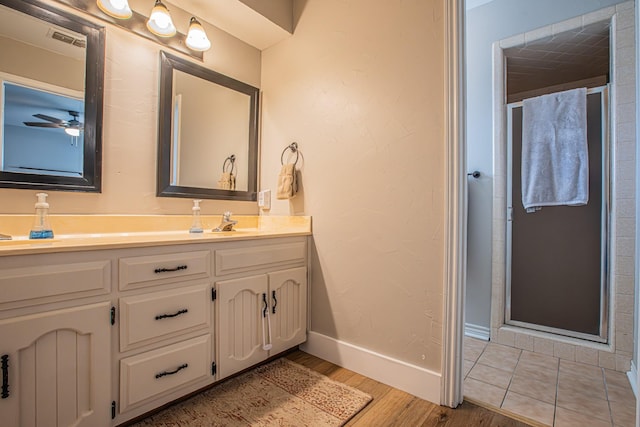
(605, 228)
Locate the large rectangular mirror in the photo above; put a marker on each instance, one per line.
(207, 136)
(51, 91)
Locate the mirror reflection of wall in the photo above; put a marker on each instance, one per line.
(208, 128)
(41, 51)
(42, 70)
(42, 130)
(205, 120)
(50, 126)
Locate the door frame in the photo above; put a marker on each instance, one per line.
(455, 208)
(636, 285)
(455, 240)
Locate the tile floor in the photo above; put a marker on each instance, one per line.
(555, 392)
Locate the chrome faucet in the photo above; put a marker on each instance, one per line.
(227, 223)
(4, 237)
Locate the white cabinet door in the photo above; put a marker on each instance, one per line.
(58, 371)
(288, 300)
(240, 307)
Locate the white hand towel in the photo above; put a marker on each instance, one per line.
(287, 185)
(555, 161)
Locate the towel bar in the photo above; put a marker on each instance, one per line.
(231, 160)
(294, 149)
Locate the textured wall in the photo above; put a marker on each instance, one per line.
(360, 87)
(214, 113)
(130, 127)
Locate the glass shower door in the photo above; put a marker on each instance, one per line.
(557, 256)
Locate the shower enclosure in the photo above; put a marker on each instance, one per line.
(557, 272)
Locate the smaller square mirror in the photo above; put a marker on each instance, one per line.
(207, 137)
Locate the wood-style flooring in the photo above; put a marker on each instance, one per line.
(391, 407)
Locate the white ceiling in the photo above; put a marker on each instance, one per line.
(27, 29)
(21, 102)
(237, 19)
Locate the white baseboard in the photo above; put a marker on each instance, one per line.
(633, 378)
(477, 331)
(413, 379)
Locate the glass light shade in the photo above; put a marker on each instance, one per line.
(160, 22)
(73, 131)
(197, 38)
(117, 8)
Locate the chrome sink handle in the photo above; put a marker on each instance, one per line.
(5, 237)
(227, 223)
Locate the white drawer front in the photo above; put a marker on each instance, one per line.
(144, 318)
(138, 272)
(40, 284)
(246, 259)
(155, 372)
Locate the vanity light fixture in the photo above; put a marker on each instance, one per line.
(158, 26)
(117, 8)
(160, 22)
(196, 37)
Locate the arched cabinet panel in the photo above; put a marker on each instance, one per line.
(53, 364)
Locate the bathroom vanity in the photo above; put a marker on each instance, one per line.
(100, 330)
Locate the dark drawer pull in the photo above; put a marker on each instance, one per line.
(275, 301)
(166, 270)
(177, 313)
(4, 362)
(178, 369)
(265, 306)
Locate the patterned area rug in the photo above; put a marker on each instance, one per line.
(282, 393)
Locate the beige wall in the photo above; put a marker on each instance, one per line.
(130, 127)
(360, 87)
(214, 125)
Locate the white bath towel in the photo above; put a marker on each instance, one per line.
(555, 161)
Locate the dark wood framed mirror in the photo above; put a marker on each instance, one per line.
(207, 133)
(52, 81)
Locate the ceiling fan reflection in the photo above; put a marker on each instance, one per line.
(71, 127)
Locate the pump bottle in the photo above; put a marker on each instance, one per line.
(41, 227)
(196, 224)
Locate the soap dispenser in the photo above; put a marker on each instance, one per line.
(196, 224)
(41, 227)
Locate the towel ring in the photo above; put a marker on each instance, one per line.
(294, 149)
(232, 162)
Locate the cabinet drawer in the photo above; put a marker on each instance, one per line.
(246, 259)
(144, 318)
(155, 372)
(39, 284)
(138, 272)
